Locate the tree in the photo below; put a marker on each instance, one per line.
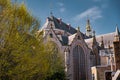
(22, 54)
(56, 67)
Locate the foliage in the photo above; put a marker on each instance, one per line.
(22, 55)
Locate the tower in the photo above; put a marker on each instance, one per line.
(88, 29)
(116, 44)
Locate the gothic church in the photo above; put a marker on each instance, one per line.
(81, 51)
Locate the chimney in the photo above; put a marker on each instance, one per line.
(59, 20)
(69, 26)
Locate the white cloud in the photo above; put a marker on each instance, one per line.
(62, 9)
(94, 13)
(60, 4)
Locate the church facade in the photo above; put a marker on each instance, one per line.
(80, 51)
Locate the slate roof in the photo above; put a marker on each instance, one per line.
(58, 24)
(109, 37)
(63, 39)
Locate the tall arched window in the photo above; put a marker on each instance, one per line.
(79, 67)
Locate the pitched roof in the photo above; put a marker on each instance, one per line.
(63, 39)
(109, 37)
(58, 24)
(71, 38)
(117, 31)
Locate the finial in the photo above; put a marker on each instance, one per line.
(51, 13)
(78, 28)
(117, 34)
(117, 30)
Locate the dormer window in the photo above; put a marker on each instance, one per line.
(59, 20)
(68, 26)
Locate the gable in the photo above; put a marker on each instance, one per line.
(50, 35)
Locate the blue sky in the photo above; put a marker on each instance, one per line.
(103, 14)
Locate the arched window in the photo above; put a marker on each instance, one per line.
(79, 67)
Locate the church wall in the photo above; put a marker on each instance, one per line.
(117, 54)
(104, 60)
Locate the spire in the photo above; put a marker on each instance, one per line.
(117, 30)
(117, 34)
(95, 49)
(94, 39)
(102, 43)
(88, 28)
(51, 14)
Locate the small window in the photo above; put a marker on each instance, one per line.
(78, 37)
(51, 35)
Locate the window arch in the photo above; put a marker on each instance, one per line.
(79, 67)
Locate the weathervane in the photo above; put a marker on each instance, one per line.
(51, 9)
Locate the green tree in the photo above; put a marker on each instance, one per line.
(22, 55)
